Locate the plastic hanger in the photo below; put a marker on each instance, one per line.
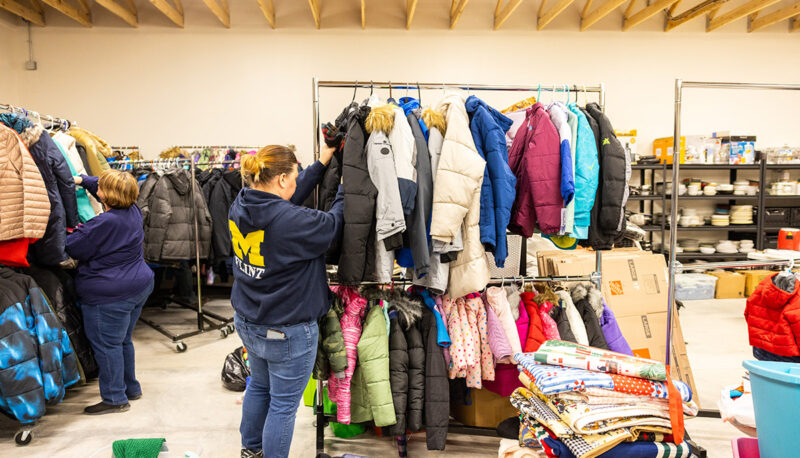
(539, 94)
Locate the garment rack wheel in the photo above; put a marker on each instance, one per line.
(24, 436)
(181, 347)
(223, 332)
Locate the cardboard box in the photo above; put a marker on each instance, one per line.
(646, 333)
(740, 152)
(635, 283)
(753, 278)
(730, 285)
(663, 149)
(487, 410)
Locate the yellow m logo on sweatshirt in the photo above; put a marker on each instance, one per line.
(249, 245)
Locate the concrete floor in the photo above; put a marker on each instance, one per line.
(184, 400)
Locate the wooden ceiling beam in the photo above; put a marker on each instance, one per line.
(363, 14)
(633, 19)
(174, 13)
(268, 8)
(697, 10)
(782, 14)
(127, 14)
(750, 7)
(456, 9)
(673, 8)
(587, 20)
(411, 8)
(795, 25)
(79, 13)
(31, 14)
(314, 4)
(545, 17)
(501, 15)
(221, 10)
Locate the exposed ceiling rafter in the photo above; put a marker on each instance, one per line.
(29, 13)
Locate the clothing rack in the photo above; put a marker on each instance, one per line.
(206, 321)
(680, 85)
(316, 84)
(63, 123)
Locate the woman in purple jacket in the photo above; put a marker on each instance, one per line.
(112, 284)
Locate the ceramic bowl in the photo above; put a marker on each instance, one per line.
(708, 250)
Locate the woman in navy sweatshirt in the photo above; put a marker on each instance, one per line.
(112, 284)
(280, 289)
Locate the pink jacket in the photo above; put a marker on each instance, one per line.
(499, 302)
(354, 309)
(498, 341)
(535, 159)
(548, 324)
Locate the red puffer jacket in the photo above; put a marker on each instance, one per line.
(536, 335)
(773, 318)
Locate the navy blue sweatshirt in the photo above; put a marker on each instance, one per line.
(279, 253)
(110, 256)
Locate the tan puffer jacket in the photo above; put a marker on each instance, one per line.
(96, 150)
(456, 199)
(24, 205)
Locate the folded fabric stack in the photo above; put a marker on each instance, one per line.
(583, 402)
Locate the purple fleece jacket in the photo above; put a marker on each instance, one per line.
(614, 338)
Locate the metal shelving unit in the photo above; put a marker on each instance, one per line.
(736, 256)
(731, 228)
(783, 166)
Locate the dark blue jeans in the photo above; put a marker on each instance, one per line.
(764, 355)
(109, 328)
(281, 359)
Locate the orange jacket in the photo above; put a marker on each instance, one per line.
(773, 318)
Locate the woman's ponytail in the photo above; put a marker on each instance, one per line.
(269, 162)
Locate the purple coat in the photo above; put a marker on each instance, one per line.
(535, 159)
(616, 341)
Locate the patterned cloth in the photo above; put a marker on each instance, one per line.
(561, 353)
(487, 359)
(599, 396)
(458, 354)
(354, 311)
(469, 310)
(556, 379)
(555, 447)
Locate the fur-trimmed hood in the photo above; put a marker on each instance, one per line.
(408, 308)
(595, 297)
(31, 134)
(380, 118)
(433, 118)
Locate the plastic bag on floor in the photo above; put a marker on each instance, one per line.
(738, 410)
(235, 370)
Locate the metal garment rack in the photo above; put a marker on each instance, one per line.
(680, 85)
(206, 321)
(316, 84)
(62, 123)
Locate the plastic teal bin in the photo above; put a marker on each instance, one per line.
(776, 396)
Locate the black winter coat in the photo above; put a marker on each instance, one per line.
(406, 364)
(564, 330)
(222, 196)
(437, 387)
(420, 218)
(167, 203)
(330, 186)
(588, 305)
(357, 258)
(59, 289)
(608, 221)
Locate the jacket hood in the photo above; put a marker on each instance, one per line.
(592, 294)
(19, 124)
(31, 134)
(774, 297)
(409, 104)
(409, 310)
(433, 118)
(234, 178)
(179, 179)
(173, 152)
(380, 118)
(473, 104)
(450, 99)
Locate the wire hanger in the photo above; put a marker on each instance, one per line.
(371, 87)
(419, 94)
(390, 90)
(355, 88)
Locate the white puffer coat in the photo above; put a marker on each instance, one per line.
(456, 198)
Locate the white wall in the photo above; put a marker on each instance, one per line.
(158, 85)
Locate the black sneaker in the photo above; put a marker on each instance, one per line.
(135, 398)
(247, 453)
(102, 408)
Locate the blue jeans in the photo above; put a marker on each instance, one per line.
(281, 359)
(764, 355)
(109, 328)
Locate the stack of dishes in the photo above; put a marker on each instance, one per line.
(725, 189)
(741, 187)
(710, 189)
(690, 245)
(741, 214)
(720, 220)
(727, 247)
(707, 248)
(746, 246)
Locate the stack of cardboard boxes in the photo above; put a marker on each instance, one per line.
(634, 285)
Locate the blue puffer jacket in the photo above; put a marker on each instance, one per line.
(498, 191)
(587, 174)
(37, 362)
